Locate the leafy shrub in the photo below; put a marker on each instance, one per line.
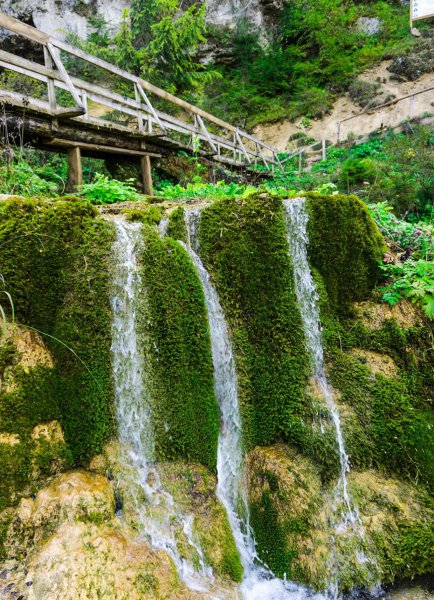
(416, 237)
(205, 191)
(358, 170)
(21, 180)
(104, 190)
(412, 279)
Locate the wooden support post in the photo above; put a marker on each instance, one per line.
(324, 150)
(300, 157)
(75, 171)
(145, 164)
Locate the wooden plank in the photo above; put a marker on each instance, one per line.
(103, 96)
(75, 170)
(64, 74)
(100, 148)
(20, 28)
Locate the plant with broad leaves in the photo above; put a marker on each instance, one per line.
(103, 190)
(413, 279)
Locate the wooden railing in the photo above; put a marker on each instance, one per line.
(197, 128)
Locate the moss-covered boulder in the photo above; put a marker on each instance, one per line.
(345, 247)
(299, 534)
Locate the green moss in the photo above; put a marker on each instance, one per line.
(243, 243)
(271, 536)
(187, 422)
(345, 247)
(55, 262)
(398, 435)
(144, 213)
(176, 227)
(284, 493)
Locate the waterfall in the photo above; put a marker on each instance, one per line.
(159, 518)
(347, 521)
(296, 224)
(259, 582)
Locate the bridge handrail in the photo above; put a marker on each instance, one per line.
(52, 46)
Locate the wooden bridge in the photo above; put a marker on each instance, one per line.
(70, 114)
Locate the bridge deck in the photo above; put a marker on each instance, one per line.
(73, 112)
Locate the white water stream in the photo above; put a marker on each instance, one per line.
(345, 518)
(296, 224)
(160, 520)
(258, 583)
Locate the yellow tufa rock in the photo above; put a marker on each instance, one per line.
(68, 542)
(378, 364)
(374, 314)
(9, 439)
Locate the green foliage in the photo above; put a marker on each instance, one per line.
(418, 237)
(203, 191)
(104, 190)
(412, 279)
(345, 247)
(187, 421)
(358, 171)
(314, 51)
(21, 180)
(243, 244)
(157, 40)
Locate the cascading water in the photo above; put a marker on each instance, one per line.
(296, 224)
(258, 583)
(158, 516)
(345, 520)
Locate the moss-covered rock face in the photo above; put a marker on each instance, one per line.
(176, 227)
(243, 244)
(344, 246)
(174, 322)
(292, 514)
(56, 266)
(32, 445)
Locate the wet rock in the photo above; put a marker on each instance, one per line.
(296, 521)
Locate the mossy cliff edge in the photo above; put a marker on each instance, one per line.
(56, 262)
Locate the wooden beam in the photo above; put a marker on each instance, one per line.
(20, 28)
(145, 163)
(100, 148)
(75, 170)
